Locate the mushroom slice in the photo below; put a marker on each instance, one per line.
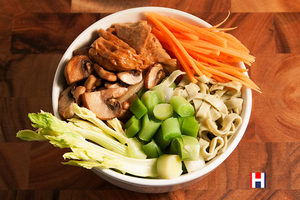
(117, 84)
(114, 92)
(90, 83)
(78, 68)
(77, 92)
(154, 76)
(104, 108)
(111, 85)
(130, 77)
(82, 51)
(107, 75)
(64, 103)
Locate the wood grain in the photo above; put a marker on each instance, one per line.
(48, 33)
(265, 6)
(35, 34)
(287, 28)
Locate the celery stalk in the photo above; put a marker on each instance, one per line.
(181, 106)
(158, 138)
(86, 114)
(189, 126)
(163, 111)
(85, 153)
(150, 99)
(152, 149)
(149, 127)
(132, 126)
(138, 108)
(135, 149)
(187, 147)
(170, 129)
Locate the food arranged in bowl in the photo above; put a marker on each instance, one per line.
(151, 98)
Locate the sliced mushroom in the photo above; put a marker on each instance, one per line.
(111, 85)
(130, 77)
(64, 103)
(90, 83)
(104, 108)
(82, 51)
(77, 92)
(117, 84)
(78, 68)
(107, 75)
(154, 76)
(114, 92)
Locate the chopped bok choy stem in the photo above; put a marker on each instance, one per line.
(84, 153)
(86, 114)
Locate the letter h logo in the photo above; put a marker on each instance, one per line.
(258, 180)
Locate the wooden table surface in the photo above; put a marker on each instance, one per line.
(35, 34)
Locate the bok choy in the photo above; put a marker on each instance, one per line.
(85, 152)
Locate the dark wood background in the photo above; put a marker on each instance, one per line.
(33, 38)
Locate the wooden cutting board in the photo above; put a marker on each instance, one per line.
(33, 38)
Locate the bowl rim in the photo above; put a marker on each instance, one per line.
(146, 182)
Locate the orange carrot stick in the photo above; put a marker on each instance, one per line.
(215, 62)
(247, 58)
(173, 24)
(178, 50)
(199, 54)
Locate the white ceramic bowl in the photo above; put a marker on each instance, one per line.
(144, 184)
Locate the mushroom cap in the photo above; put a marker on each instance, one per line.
(154, 76)
(104, 108)
(78, 68)
(90, 83)
(105, 74)
(130, 77)
(114, 92)
(64, 103)
(77, 92)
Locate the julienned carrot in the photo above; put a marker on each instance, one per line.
(186, 36)
(247, 58)
(220, 79)
(190, 35)
(247, 82)
(183, 57)
(217, 63)
(181, 39)
(233, 42)
(216, 27)
(204, 51)
(199, 49)
(173, 24)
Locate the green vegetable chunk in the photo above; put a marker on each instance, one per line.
(187, 147)
(158, 138)
(150, 99)
(138, 108)
(170, 129)
(149, 127)
(169, 166)
(152, 149)
(132, 126)
(135, 149)
(189, 126)
(85, 152)
(181, 106)
(163, 111)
